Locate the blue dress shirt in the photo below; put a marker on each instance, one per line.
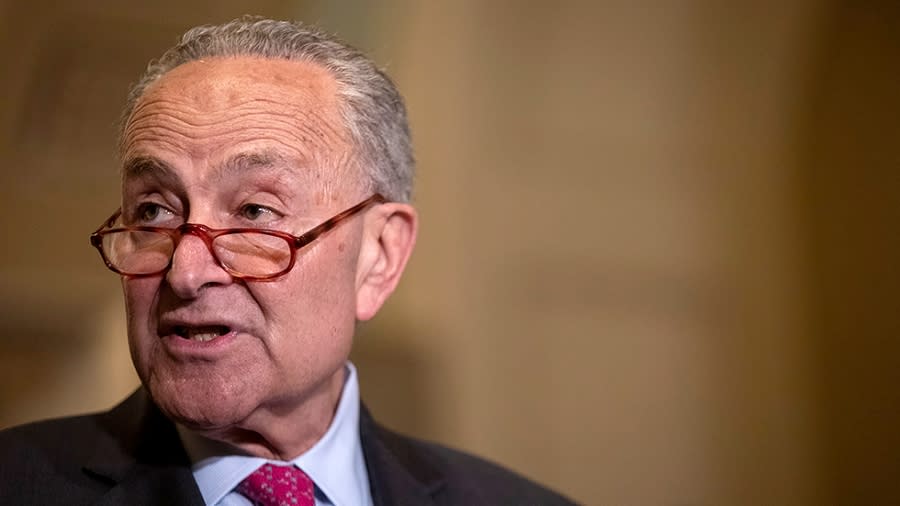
(335, 463)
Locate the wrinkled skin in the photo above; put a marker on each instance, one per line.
(247, 142)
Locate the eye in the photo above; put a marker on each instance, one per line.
(151, 213)
(255, 212)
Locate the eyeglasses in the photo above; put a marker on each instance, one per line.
(246, 253)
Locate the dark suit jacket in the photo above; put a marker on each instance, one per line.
(132, 455)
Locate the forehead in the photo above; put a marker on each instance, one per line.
(223, 80)
(205, 111)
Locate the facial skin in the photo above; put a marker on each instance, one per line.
(248, 142)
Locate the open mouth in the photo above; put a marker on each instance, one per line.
(201, 334)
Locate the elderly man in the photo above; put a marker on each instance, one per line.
(266, 175)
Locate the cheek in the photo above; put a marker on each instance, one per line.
(319, 294)
(140, 296)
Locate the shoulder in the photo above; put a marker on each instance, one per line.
(79, 438)
(52, 440)
(496, 484)
(41, 462)
(461, 478)
(75, 460)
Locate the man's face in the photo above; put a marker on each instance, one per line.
(242, 142)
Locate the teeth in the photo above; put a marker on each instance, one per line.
(201, 334)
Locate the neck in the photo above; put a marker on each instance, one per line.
(277, 431)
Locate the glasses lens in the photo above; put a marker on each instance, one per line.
(253, 253)
(138, 252)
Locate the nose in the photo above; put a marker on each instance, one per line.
(193, 267)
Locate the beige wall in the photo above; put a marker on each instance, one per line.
(641, 270)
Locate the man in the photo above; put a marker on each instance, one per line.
(266, 176)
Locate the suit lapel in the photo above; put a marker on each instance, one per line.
(143, 462)
(398, 475)
(170, 486)
(142, 459)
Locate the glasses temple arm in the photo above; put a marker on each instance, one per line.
(110, 221)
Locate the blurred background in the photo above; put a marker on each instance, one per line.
(659, 244)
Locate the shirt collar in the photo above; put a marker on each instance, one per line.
(335, 463)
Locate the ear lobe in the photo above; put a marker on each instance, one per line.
(388, 241)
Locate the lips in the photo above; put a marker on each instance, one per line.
(195, 330)
(202, 334)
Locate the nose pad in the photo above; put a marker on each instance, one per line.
(193, 267)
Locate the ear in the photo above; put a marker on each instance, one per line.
(389, 235)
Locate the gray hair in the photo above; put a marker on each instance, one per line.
(371, 106)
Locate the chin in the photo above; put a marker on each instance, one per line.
(201, 404)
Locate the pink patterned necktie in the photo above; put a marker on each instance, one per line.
(272, 485)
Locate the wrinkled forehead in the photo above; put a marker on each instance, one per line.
(208, 109)
(218, 79)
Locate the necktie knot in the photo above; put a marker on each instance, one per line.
(272, 485)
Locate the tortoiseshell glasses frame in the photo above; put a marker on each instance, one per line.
(147, 251)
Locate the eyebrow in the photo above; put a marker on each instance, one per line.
(247, 161)
(240, 163)
(141, 165)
